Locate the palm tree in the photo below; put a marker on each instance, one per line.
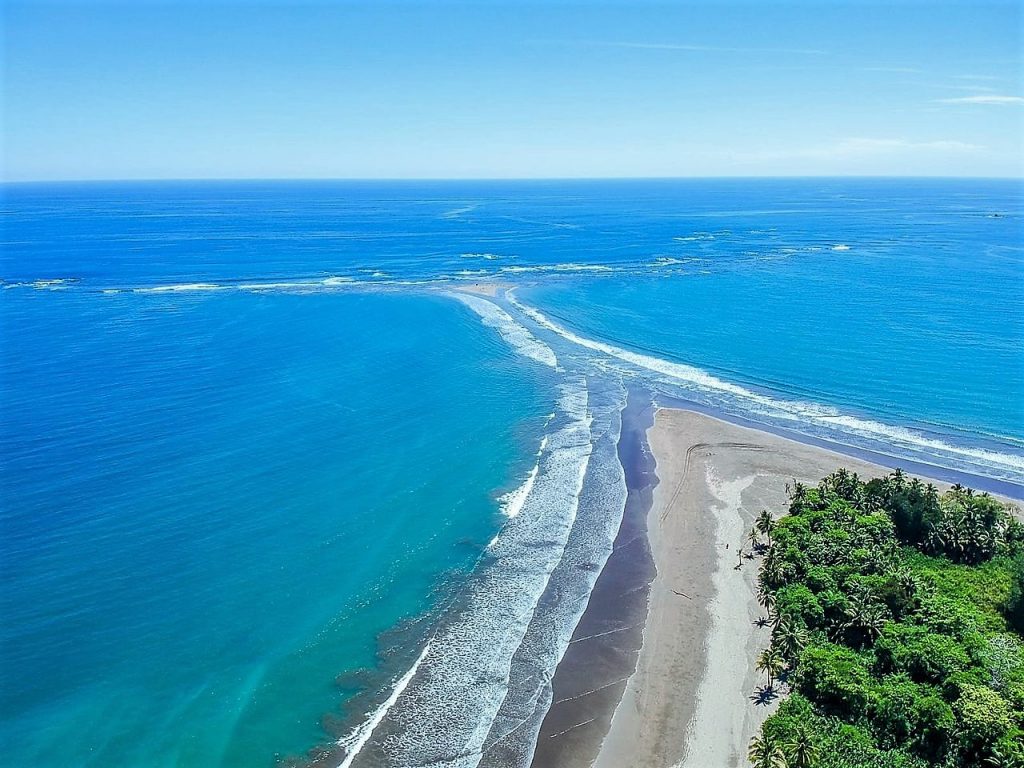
(879, 560)
(844, 484)
(935, 539)
(876, 620)
(770, 662)
(907, 589)
(865, 615)
(790, 638)
(755, 542)
(766, 597)
(801, 752)
(798, 495)
(765, 524)
(764, 753)
(771, 569)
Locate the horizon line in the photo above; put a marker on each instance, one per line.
(455, 179)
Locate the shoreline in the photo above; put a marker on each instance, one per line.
(602, 655)
(650, 677)
(695, 699)
(939, 474)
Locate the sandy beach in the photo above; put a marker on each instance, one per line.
(693, 701)
(481, 289)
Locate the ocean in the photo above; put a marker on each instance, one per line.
(275, 485)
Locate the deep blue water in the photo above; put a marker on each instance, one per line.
(246, 432)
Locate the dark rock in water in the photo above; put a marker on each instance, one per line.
(334, 726)
(354, 680)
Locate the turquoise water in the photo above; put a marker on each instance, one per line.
(925, 333)
(215, 504)
(257, 458)
(920, 320)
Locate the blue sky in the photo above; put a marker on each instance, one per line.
(502, 89)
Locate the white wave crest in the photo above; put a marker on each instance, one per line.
(444, 716)
(567, 267)
(520, 339)
(512, 502)
(793, 411)
(354, 742)
(457, 212)
(181, 288)
(50, 284)
(327, 283)
(664, 261)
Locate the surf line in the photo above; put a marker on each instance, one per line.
(354, 743)
(1007, 466)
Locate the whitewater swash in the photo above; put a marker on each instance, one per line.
(505, 717)
(870, 434)
(444, 712)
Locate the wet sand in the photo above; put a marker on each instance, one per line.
(482, 289)
(695, 699)
(602, 654)
(660, 671)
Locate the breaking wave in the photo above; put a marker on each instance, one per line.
(354, 742)
(445, 711)
(520, 339)
(794, 413)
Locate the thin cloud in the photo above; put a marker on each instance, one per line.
(972, 88)
(984, 98)
(897, 70)
(678, 47)
(861, 146)
(977, 90)
(977, 77)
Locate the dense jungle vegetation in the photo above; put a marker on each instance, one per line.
(897, 616)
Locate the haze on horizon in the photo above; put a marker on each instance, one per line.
(232, 89)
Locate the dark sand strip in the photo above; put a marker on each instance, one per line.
(696, 699)
(603, 652)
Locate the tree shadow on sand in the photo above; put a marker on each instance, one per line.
(764, 695)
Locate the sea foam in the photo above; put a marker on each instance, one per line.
(446, 711)
(795, 413)
(513, 501)
(520, 339)
(354, 742)
(513, 734)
